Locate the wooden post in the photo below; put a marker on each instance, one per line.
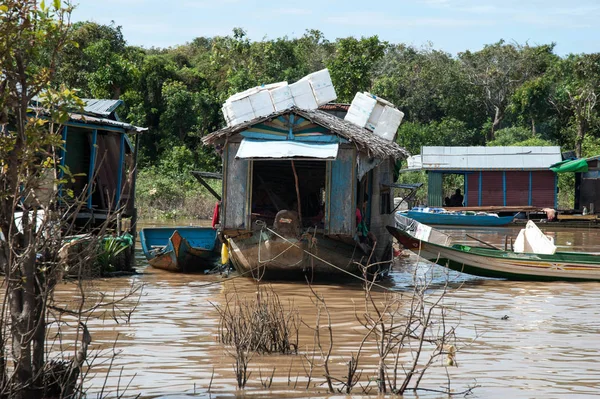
(297, 194)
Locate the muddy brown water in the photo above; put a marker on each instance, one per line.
(547, 346)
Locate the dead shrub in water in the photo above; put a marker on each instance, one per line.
(261, 326)
(410, 334)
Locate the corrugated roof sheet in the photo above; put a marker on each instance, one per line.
(484, 158)
(364, 139)
(100, 107)
(87, 119)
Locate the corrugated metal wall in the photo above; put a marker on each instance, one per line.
(517, 188)
(435, 195)
(492, 189)
(472, 194)
(543, 189)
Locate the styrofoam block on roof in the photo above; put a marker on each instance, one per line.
(360, 109)
(383, 101)
(303, 95)
(273, 86)
(325, 94)
(282, 98)
(388, 123)
(239, 111)
(225, 112)
(375, 115)
(243, 94)
(322, 86)
(262, 104)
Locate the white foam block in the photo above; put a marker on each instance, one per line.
(282, 98)
(375, 115)
(360, 109)
(261, 102)
(322, 86)
(388, 123)
(239, 111)
(303, 95)
(242, 94)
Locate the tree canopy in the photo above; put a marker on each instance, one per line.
(465, 99)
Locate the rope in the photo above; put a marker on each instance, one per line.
(372, 282)
(263, 226)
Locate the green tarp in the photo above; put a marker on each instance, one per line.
(577, 165)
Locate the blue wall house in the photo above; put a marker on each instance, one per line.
(493, 176)
(587, 181)
(99, 152)
(309, 178)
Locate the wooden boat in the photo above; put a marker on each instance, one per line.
(284, 253)
(459, 219)
(264, 255)
(180, 249)
(489, 262)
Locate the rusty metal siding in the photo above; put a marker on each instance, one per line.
(543, 189)
(472, 189)
(492, 189)
(517, 188)
(237, 180)
(342, 193)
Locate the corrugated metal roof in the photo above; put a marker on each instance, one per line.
(100, 107)
(86, 119)
(364, 139)
(484, 158)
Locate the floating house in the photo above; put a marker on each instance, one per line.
(493, 176)
(99, 152)
(305, 191)
(587, 181)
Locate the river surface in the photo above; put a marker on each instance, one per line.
(516, 339)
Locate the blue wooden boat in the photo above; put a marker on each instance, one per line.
(180, 249)
(459, 219)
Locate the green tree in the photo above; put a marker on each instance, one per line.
(353, 65)
(31, 36)
(576, 88)
(498, 70)
(447, 132)
(96, 61)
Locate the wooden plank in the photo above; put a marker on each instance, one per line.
(237, 190)
(577, 217)
(342, 198)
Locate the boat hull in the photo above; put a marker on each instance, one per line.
(459, 220)
(502, 264)
(269, 257)
(187, 249)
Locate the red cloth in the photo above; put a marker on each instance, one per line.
(358, 216)
(215, 218)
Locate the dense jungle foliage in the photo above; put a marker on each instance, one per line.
(504, 94)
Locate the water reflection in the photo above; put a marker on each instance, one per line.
(522, 339)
